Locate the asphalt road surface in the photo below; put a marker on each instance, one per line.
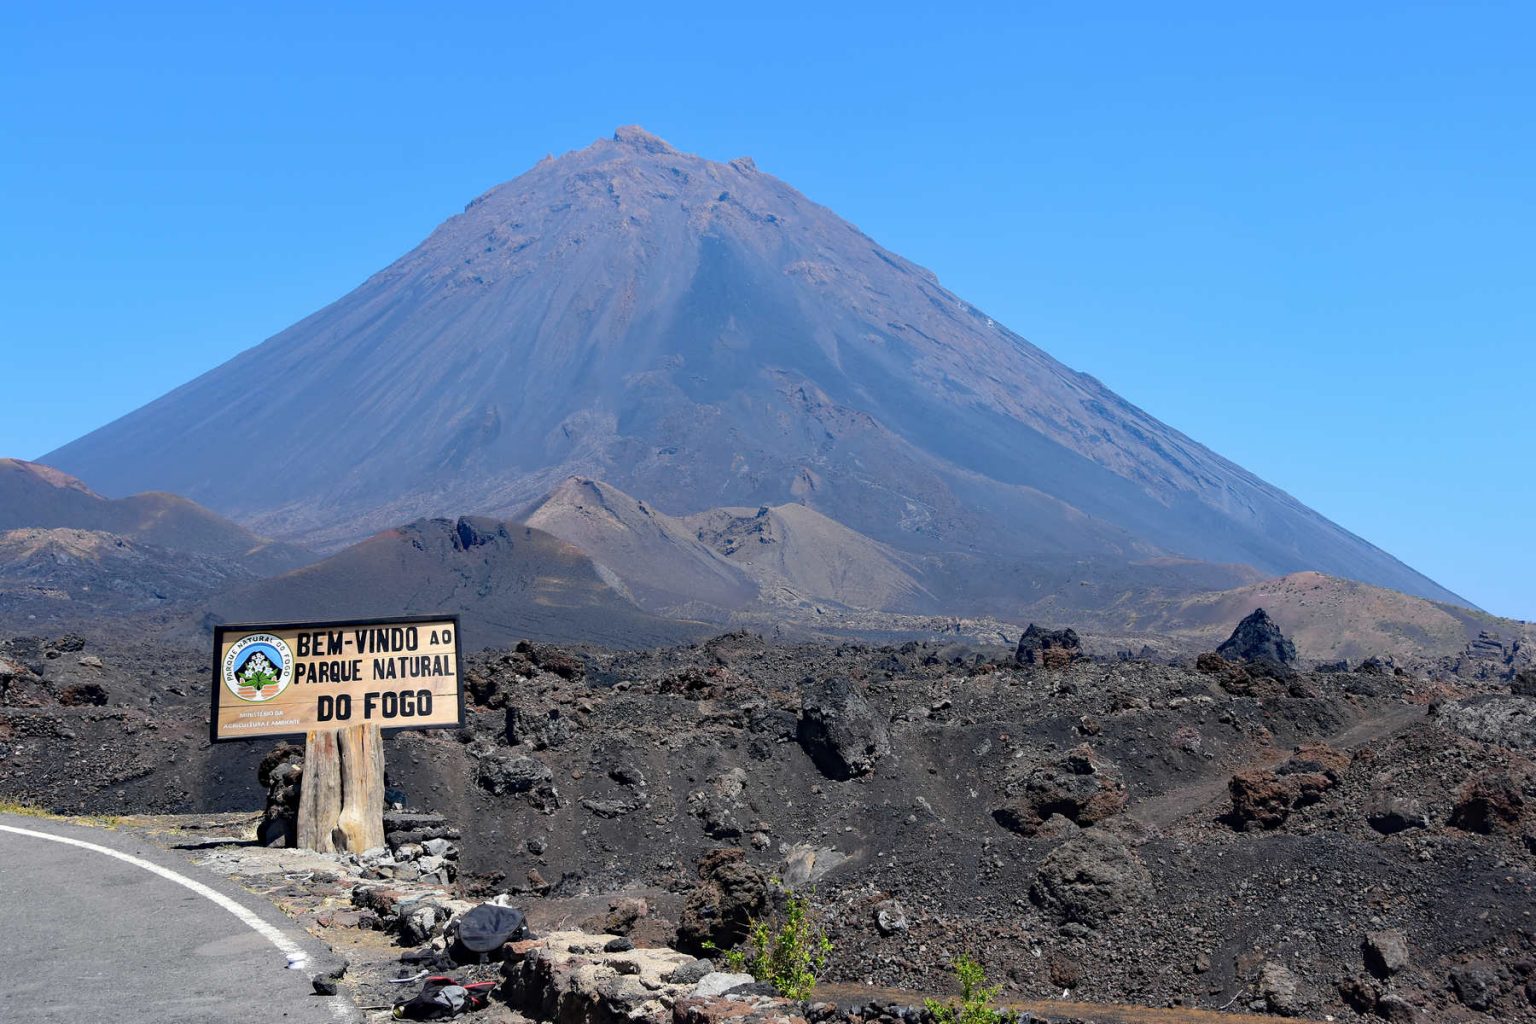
(87, 937)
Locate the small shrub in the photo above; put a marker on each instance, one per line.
(31, 810)
(790, 957)
(976, 997)
(9, 806)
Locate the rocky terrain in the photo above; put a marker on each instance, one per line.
(1225, 832)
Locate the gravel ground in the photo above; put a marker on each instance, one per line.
(1077, 829)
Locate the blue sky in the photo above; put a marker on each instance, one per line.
(1301, 234)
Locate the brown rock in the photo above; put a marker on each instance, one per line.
(1265, 797)
(620, 918)
(1360, 994)
(1261, 798)
(1081, 787)
(718, 912)
(83, 694)
(1050, 648)
(1211, 663)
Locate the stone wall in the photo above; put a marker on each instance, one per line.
(580, 978)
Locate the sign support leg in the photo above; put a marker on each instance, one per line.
(360, 825)
(341, 798)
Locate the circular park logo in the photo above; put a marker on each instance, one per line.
(258, 667)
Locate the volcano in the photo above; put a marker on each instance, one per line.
(701, 336)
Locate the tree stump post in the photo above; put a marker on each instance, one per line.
(341, 798)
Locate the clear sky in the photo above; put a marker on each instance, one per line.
(1300, 233)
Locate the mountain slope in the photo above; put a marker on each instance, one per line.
(797, 555)
(34, 496)
(663, 566)
(69, 578)
(727, 560)
(700, 335)
(508, 582)
(1331, 618)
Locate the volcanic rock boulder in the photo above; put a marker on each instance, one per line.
(552, 659)
(1489, 802)
(1389, 813)
(1476, 986)
(1090, 878)
(839, 729)
(280, 773)
(1509, 721)
(1257, 640)
(1394, 1009)
(1386, 952)
(540, 730)
(1264, 798)
(805, 864)
(620, 918)
(1281, 991)
(718, 803)
(1211, 663)
(718, 912)
(500, 775)
(890, 917)
(83, 695)
(1081, 787)
(1360, 993)
(1051, 648)
(21, 673)
(1260, 798)
(494, 684)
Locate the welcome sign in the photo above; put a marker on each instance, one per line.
(285, 679)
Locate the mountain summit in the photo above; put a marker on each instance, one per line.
(699, 335)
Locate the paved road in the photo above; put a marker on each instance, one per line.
(86, 937)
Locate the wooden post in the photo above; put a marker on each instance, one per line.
(361, 823)
(341, 799)
(319, 792)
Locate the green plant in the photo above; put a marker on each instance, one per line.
(259, 680)
(976, 996)
(789, 957)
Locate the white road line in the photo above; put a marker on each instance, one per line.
(290, 949)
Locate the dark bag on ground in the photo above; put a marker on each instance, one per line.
(480, 933)
(442, 998)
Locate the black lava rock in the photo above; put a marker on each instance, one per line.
(839, 729)
(1257, 639)
(1036, 642)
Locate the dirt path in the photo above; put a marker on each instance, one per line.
(1166, 808)
(1053, 1009)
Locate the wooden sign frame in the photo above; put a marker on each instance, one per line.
(222, 630)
